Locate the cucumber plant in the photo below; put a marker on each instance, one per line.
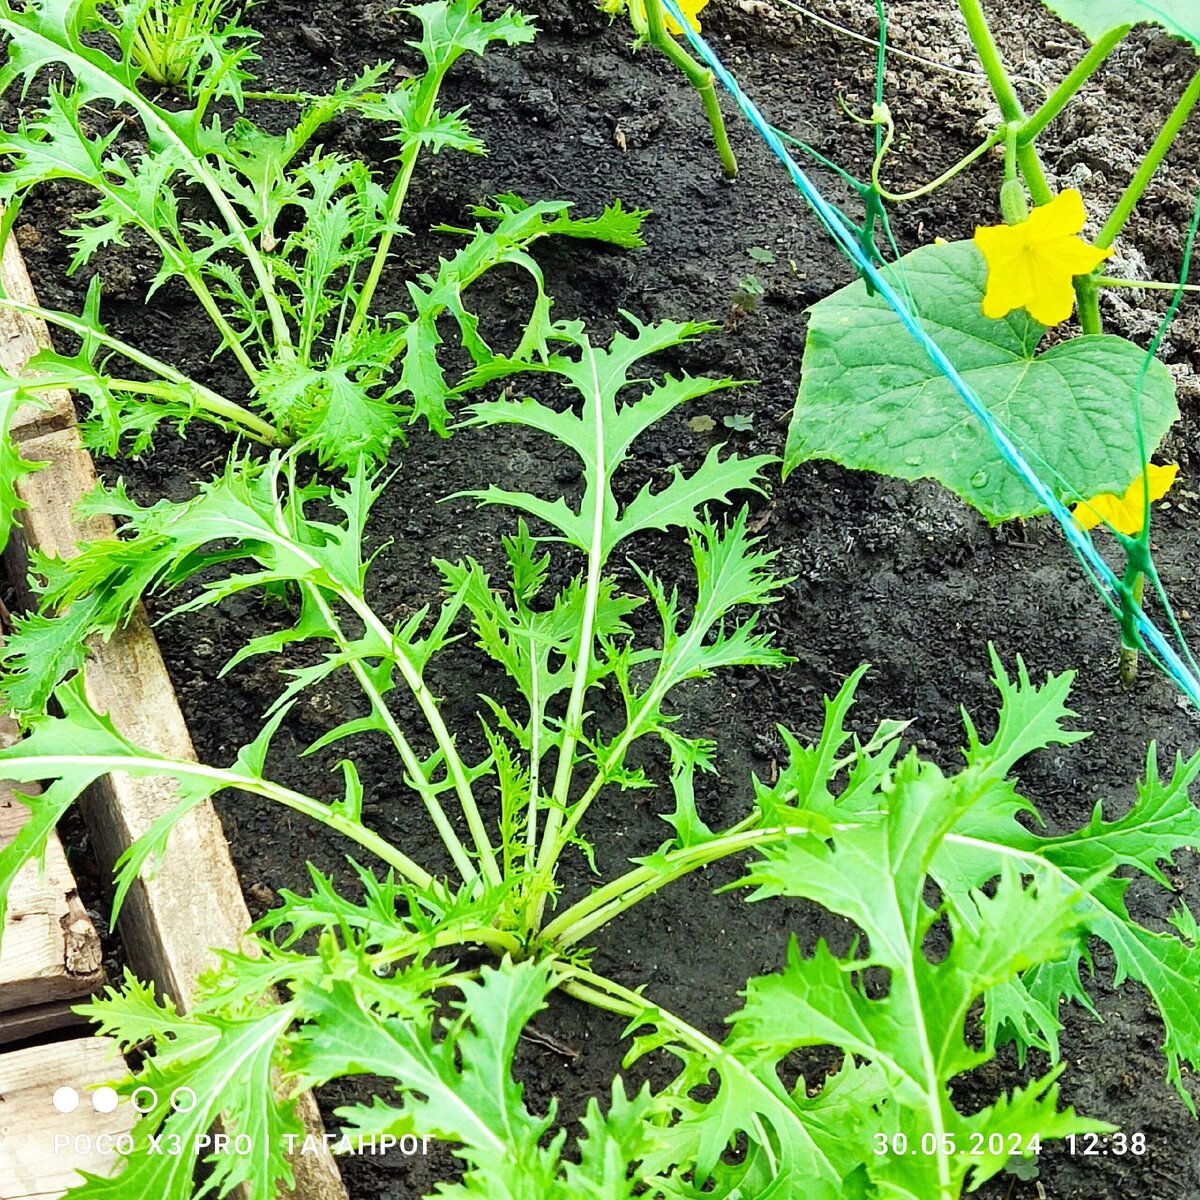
(281, 242)
(424, 974)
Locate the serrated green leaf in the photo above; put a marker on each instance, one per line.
(793, 1143)
(249, 506)
(460, 1089)
(227, 1062)
(392, 920)
(331, 408)
(40, 652)
(1161, 820)
(686, 757)
(603, 433)
(512, 227)
(871, 399)
(80, 746)
(450, 28)
(437, 131)
(71, 751)
(538, 647)
(731, 570)
(876, 873)
(1031, 718)
(804, 789)
(616, 225)
(613, 1142)
(14, 394)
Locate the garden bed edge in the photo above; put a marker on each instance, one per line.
(190, 904)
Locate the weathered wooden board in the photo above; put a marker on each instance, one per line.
(192, 901)
(23, 1024)
(50, 949)
(50, 955)
(191, 904)
(20, 340)
(43, 1150)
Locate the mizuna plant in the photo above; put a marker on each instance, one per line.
(172, 36)
(426, 974)
(281, 242)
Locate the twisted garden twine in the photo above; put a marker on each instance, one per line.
(1080, 542)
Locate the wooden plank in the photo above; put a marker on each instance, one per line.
(42, 1150)
(51, 950)
(24, 1024)
(191, 904)
(20, 340)
(50, 956)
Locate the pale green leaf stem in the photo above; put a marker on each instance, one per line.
(90, 332)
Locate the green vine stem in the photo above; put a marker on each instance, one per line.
(1087, 300)
(1150, 164)
(1027, 156)
(1086, 286)
(700, 78)
(1127, 662)
(1011, 142)
(1006, 96)
(884, 118)
(1065, 92)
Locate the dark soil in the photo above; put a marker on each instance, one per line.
(903, 577)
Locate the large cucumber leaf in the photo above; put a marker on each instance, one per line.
(871, 398)
(1097, 17)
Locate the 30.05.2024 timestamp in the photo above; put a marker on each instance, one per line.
(977, 1144)
(1088, 1145)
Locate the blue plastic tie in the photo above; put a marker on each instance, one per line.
(1174, 665)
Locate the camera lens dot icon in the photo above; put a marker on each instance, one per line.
(65, 1100)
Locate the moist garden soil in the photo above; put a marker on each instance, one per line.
(904, 577)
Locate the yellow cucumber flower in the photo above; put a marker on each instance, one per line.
(1031, 264)
(689, 8)
(1125, 513)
